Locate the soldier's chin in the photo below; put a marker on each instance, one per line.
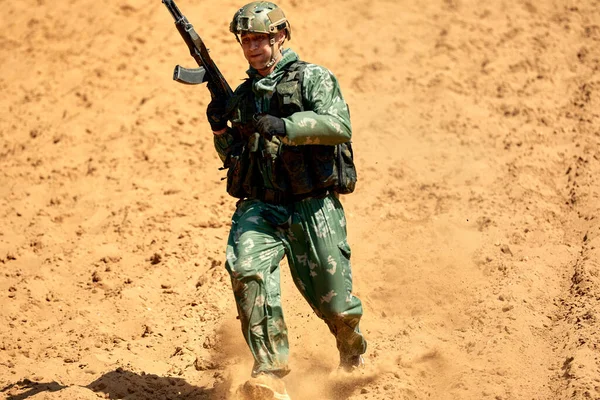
(258, 65)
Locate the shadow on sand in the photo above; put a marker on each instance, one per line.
(120, 384)
(27, 388)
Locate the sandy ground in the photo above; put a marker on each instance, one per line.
(474, 227)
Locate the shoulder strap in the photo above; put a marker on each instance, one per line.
(295, 72)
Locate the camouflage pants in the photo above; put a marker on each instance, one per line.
(312, 234)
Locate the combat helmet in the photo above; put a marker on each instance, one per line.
(260, 17)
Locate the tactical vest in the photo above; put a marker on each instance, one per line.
(276, 172)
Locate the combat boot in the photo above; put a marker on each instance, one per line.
(264, 387)
(351, 363)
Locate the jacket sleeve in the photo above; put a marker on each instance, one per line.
(326, 119)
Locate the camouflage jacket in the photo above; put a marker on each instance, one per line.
(323, 121)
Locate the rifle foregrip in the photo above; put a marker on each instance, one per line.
(189, 76)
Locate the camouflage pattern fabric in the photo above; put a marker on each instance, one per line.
(312, 234)
(327, 119)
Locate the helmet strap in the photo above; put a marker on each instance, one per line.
(273, 55)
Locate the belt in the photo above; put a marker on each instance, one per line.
(278, 197)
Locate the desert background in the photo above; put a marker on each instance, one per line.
(474, 227)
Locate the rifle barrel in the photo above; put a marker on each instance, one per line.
(172, 7)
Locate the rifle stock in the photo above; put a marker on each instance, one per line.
(207, 71)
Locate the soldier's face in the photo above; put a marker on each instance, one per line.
(258, 51)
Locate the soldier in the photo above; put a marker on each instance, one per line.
(284, 137)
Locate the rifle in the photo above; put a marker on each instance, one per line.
(207, 71)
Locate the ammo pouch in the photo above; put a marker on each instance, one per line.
(238, 163)
(314, 167)
(321, 161)
(293, 162)
(309, 167)
(241, 164)
(346, 171)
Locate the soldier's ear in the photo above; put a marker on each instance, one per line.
(281, 38)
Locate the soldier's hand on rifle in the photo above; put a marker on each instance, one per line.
(216, 112)
(269, 126)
